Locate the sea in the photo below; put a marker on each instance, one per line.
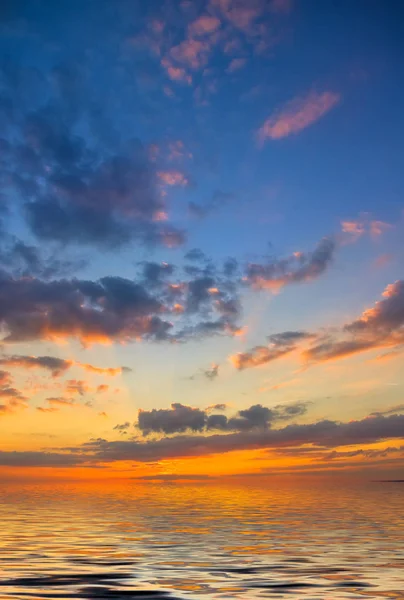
(210, 540)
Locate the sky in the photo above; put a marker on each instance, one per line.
(201, 249)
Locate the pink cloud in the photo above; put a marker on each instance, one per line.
(356, 228)
(382, 260)
(176, 73)
(297, 115)
(236, 64)
(204, 25)
(377, 228)
(172, 178)
(192, 53)
(281, 6)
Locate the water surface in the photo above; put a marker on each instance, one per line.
(149, 540)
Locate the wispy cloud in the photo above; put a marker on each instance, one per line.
(298, 115)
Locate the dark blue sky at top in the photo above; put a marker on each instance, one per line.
(111, 90)
(89, 70)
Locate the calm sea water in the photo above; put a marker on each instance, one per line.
(112, 541)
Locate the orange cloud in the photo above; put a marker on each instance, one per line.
(102, 388)
(297, 115)
(260, 355)
(381, 326)
(109, 371)
(77, 386)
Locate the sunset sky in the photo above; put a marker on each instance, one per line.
(202, 238)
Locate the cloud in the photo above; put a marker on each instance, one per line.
(381, 326)
(195, 254)
(102, 388)
(279, 345)
(12, 400)
(24, 260)
(57, 366)
(5, 378)
(236, 64)
(155, 307)
(108, 371)
(111, 309)
(180, 418)
(239, 13)
(156, 274)
(73, 191)
(297, 115)
(31, 458)
(323, 434)
(176, 419)
(212, 373)
(122, 427)
(60, 401)
(172, 178)
(203, 25)
(393, 410)
(298, 268)
(220, 406)
(356, 228)
(290, 439)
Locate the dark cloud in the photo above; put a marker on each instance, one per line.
(155, 274)
(230, 267)
(211, 373)
(122, 427)
(178, 418)
(72, 188)
(279, 345)
(325, 433)
(218, 422)
(301, 267)
(39, 459)
(115, 308)
(56, 366)
(112, 308)
(195, 254)
(392, 410)
(322, 435)
(289, 411)
(220, 406)
(255, 417)
(23, 260)
(198, 293)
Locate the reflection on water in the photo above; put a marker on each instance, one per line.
(212, 541)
